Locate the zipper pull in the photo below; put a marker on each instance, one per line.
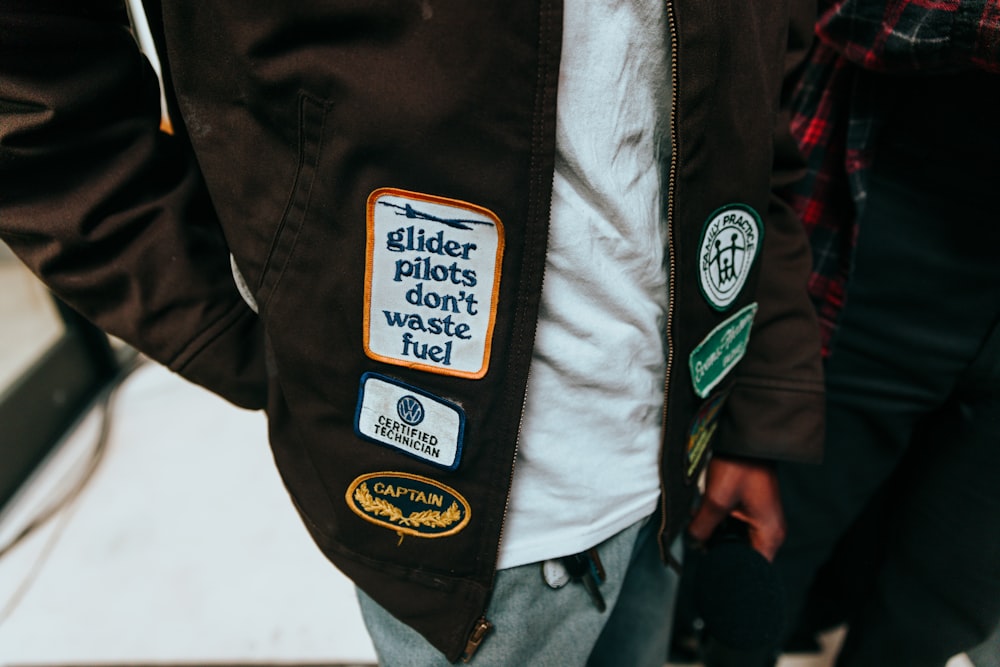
(476, 637)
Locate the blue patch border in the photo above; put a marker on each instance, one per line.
(416, 390)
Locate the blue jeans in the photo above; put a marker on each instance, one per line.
(536, 625)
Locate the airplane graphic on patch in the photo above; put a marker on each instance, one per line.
(412, 213)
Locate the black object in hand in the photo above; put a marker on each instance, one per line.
(737, 592)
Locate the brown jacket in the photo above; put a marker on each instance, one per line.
(288, 116)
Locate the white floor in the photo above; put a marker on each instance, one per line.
(182, 548)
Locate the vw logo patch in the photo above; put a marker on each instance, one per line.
(410, 420)
(730, 242)
(410, 410)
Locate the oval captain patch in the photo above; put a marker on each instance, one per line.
(408, 504)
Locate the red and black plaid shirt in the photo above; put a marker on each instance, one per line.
(837, 109)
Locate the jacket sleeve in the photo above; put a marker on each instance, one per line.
(776, 406)
(105, 208)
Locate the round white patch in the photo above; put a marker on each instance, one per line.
(730, 242)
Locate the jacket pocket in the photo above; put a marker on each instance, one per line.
(312, 121)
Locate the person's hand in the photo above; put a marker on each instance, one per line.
(747, 490)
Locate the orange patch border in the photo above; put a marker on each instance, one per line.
(369, 270)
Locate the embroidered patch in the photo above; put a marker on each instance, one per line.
(408, 504)
(730, 242)
(410, 420)
(431, 282)
(706, 421)
(721, 350)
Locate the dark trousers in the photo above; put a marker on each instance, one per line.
(913, 386)
(912, 463)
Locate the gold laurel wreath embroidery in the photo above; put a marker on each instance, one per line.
(380, 507)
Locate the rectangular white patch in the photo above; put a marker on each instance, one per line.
(410, 420)
(432, 279)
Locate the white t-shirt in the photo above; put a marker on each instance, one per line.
(588, 457)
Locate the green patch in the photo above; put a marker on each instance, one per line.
(721, 350)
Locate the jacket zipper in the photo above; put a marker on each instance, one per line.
(479, 632)
(671, 288)
(482, 626)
